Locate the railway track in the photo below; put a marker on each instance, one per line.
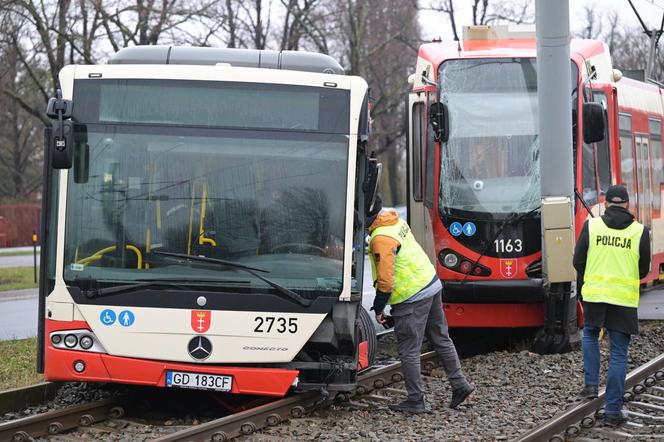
(218, 430)
(58, 421)
(644, 401)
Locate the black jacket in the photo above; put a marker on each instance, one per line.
(618, 218)
(613, 317)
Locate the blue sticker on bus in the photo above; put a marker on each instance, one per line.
(456, 229)
(126, 318)
(107, 317)
(469, 229)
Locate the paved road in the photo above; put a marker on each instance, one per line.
(18, 314)
(18, 309)
(17, 261)
(652, 304)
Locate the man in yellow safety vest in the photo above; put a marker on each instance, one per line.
(405, 279)
(612, 255)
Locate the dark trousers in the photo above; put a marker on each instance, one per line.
(412, 320)
(615, 381)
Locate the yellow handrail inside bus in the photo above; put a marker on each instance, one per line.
(98, 255)
(191, 219)
(201, 232)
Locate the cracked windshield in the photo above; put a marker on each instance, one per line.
(254, 174)
(491, 161)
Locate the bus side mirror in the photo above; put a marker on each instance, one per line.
(61, 142)
(593, 123)
(371, 181)
(440, 122)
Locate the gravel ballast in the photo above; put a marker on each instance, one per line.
(515, 391)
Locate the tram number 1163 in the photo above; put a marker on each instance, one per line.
(508, 245)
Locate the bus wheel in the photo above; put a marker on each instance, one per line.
(368, 335)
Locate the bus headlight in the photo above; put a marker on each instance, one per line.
(71, 341)
(81, 340)
(86, 342)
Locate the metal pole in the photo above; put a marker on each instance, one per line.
(554, 93)
(34, 254)
(654, 36)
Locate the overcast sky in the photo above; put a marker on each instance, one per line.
(436, 24)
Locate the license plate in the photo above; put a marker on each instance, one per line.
(199, 380)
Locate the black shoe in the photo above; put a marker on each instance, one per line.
(615, 419)
(460, 394)
(409, 406)
(589, 392)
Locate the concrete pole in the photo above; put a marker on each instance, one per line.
(554, 92)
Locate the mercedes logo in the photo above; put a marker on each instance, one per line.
(200, 348)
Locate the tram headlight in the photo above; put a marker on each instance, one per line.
(56, 339)
(71, 341)
(86, 342)
(465, 266)
(450, 260)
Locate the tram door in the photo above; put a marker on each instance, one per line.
(418, 214)
(643, 180)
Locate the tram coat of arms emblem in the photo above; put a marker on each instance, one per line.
(200, 320)
(508, 268)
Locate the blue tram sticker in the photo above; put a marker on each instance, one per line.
(456, 229)
(469, 229)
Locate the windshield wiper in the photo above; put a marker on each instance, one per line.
(210, 260)
(94, 292)
(286, 292)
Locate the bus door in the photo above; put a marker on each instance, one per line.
(418, 215)
(643, 179)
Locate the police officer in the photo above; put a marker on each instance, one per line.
(611, 256)
(405, 278)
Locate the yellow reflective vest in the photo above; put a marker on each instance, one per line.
(412, 268)
(612, 266)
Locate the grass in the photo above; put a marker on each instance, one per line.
(17, 363)
(15, 278)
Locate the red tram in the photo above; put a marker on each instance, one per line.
(474, 198)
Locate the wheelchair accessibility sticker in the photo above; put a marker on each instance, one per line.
(107, 317)
(456, 229)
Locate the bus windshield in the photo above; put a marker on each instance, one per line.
(491, 162)
(239, 186)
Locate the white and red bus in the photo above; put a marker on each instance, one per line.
(200, 222)
(474, 195)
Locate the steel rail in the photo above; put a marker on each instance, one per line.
(19, 398)
(57, 421)
(249, 421)
(566, 422)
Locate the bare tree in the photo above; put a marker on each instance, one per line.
(447, 7)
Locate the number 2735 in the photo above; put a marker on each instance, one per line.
(265, 324)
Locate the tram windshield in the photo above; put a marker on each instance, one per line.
(491, 162)
(265, 188)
